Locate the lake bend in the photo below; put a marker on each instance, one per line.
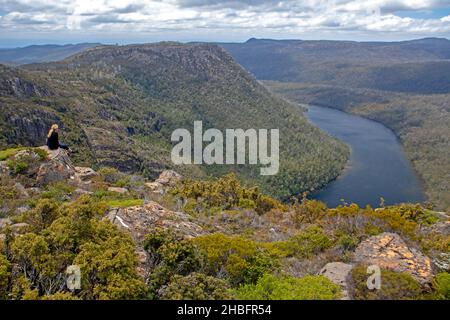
(377, 167)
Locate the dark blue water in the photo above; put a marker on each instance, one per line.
(377, 166)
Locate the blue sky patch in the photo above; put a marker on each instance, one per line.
(424, 14)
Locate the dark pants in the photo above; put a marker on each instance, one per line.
(64, 146)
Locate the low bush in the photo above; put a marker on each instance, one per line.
(169, 255)
(239, 260)
(7, 153)
(110, 175)
(17, 166)
(58, 191)
(196, 286)
(5, 275)
(308, 211)
(306, 243)
(124, 203)
(394, 286)
(224, 193)
(270, 287)
(441, 284)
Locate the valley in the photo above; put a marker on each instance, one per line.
(118, 106)
(404, 85)
(377, 168)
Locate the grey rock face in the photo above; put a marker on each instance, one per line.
(338, 273)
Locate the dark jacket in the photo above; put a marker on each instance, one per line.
(53, 141)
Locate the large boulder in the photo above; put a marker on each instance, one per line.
(389, 251)
(338, 273)
(58, 167)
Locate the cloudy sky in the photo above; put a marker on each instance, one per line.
(24, 22)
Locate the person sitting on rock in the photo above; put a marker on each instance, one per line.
(53, 139)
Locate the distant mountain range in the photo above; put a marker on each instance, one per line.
(42, 53)
(409, 66)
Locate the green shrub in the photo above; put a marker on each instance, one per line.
(265, 204)
(124, 203)
(60, 296)
(5, 275)
(5, 154)
(42, 154)
(17, 166)
(169, 255)
(118, 200)
(196, 286)
(416, 213)
(441, 283)
(58, 191)
(306, 243)
(225, 193)
(348, 242)
(383, 219)
(110, 175)
(241, 260)
(42, 215)
(270, 287)
(394, 286)
(308, 211)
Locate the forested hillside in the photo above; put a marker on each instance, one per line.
(404, 85)
(118, 106)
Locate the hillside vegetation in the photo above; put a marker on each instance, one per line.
(404, 85)
(118, 106)
(177, 238)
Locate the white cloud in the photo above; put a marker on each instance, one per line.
(288, 17)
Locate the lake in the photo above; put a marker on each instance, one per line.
(377, 166)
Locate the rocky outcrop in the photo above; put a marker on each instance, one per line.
(118, 190)
(389, 251)
(442, 262)
(85, 173)
(167, 179)
(4, 222)
(140, 220)
(29, 126)
(21, 88)
(59, 167)
(112, 149)
(338, 273)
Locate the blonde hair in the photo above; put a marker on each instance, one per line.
(52, 129)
